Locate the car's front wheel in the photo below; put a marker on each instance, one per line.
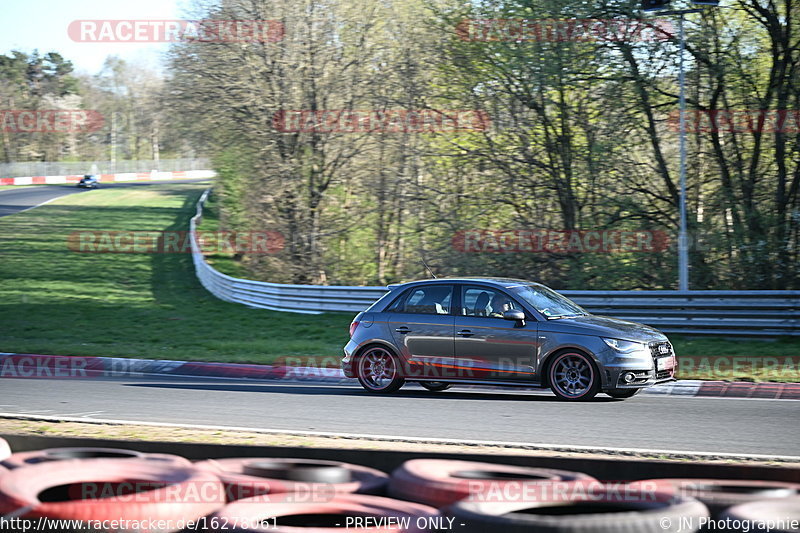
(379, 370)
(621, 394)
(573, 376)
(435, 386)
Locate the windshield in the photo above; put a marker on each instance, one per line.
(548, 302)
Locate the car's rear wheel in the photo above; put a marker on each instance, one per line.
(573, 376)
(379, 370)
(435, 386)
(621, 394)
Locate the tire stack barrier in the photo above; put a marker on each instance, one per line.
(109, 489)
(254, 476)
(21, 459)
(286, 494)
(721, 494)
(340, 513)
(766, 510)
(440, 482)
(574, 513)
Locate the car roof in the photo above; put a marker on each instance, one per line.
(500, 282)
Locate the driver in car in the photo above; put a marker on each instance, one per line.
(499, 305)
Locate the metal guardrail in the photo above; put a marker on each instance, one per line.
(310, 299)
(727, 313)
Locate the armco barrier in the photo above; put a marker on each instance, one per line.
(311, 299)
(741, 313)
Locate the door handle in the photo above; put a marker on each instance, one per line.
(465, 333)
(402, 329)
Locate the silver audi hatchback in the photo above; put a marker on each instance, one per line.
(498, 331)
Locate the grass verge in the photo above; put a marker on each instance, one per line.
(57, 301)
(6, 187)
(227, 263)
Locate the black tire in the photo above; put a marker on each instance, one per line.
(374, 360)
(435, 386)
(246, 477)
(321, 514)
(779, 511)
(51, 455)
(720, 494)
(441, 482)
(571, 386)
(621, 394)
(577, 515)
(94, 489)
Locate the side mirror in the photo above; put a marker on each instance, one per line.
(516, 315)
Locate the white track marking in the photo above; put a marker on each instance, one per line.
(34, 207)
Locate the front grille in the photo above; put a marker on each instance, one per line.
(654, 349)
(656, 353)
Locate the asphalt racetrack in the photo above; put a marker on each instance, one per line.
(647, 422)
(22, 198)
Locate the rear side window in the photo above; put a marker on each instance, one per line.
(427, 300)
(390, 295)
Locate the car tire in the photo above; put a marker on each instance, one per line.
(621, 394)
(574, 514)
(378, 370)
(435, 386)
(573, 376)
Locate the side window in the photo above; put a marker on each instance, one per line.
(397, 305)
(428, 300)
(485, 302)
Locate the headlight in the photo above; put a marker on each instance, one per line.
(623, 346)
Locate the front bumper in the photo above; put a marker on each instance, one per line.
(648, 367)
(643, 378)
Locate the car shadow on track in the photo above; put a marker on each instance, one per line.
(327, 390)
